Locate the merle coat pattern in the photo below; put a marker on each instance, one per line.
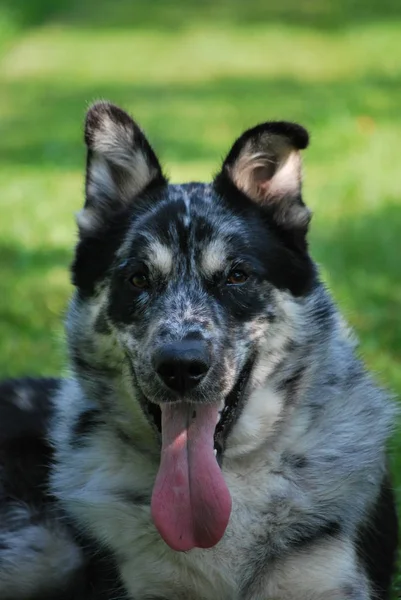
(197, 300)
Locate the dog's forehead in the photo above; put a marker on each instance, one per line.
(191, 204)
(185, 219)
(191, 192)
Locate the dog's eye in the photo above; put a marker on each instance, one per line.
(236, 277)
(140, 281)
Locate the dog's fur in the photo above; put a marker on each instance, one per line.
(303, 428)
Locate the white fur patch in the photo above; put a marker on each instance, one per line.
(256, 423)
(213, 257)
(274, 165)
(116, 143)
(271, 173)
(324, 571)
(161, 257)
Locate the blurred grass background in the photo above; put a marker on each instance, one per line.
(195, 74)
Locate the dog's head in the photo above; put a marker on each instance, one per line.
(184, 279)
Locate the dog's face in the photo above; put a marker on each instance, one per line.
(188, 285)
(188, 276)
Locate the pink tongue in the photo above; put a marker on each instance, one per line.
(191, 503)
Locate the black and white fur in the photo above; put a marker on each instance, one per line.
(303, 428)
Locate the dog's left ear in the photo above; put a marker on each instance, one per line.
(265, 164)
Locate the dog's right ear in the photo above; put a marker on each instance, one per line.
(120, 165)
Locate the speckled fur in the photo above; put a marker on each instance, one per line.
(304, 455)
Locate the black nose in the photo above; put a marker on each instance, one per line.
(182, 365)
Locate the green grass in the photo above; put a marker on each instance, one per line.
(195, 75)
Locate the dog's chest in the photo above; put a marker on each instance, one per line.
(149, 567)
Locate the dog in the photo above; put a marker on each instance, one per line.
(216, 437)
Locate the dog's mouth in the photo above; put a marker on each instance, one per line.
(227, 414)
(191, 504)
